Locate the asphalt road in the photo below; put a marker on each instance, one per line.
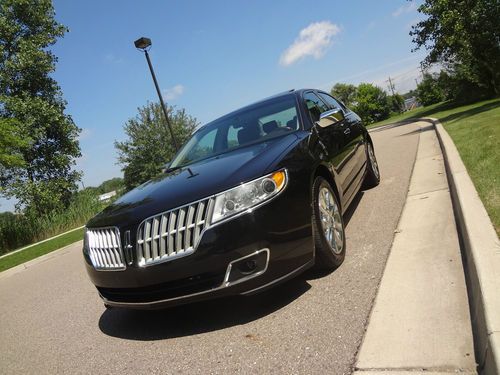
(52, 321)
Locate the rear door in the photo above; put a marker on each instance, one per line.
(331, 135)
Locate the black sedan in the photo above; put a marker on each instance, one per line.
(252, 199)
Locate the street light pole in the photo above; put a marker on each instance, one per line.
(144, 44)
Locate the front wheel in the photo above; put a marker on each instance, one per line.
(372, 177)
(328, 223)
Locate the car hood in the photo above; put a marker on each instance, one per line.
(197, 181)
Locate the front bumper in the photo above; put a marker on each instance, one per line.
(245, 287)
(280, 229)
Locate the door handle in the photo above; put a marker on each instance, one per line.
(347, 131)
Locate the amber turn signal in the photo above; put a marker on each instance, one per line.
(279, 178)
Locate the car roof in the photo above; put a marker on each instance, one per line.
(295, 92)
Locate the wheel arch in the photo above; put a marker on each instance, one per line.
(369, 138)
(323, 171)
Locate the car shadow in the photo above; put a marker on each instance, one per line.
(201, 317)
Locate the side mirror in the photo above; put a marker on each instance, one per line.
(166, 167)
(330, 117)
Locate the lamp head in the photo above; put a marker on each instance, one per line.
(142, 43)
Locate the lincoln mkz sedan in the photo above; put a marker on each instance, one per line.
(252, 199)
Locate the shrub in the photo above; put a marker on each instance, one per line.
(372, 104)
(429, 90)
(17, 230)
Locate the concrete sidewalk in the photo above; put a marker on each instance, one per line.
(420, 321)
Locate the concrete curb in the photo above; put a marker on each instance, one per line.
(481, 256)
(420, 319)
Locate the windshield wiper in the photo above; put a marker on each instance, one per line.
(171, 169)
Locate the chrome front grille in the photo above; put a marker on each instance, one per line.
(172, 234)
(105, 248)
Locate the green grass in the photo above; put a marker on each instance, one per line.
(475, 130)
(415, 113)
(18, 230)
(40, 249)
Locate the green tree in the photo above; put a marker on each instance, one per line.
(429, 90)
(463, 34)
(396, 102)
(345, 92)
(114, 184)
(149, 145)
(11, 144)
(45, 180)
(372, 104)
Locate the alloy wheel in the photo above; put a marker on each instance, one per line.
(373, 161)
(331, 220)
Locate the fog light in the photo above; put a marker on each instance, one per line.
(248, 267)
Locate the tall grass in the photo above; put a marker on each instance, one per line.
(18, 230)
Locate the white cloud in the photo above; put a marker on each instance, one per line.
(408, 8)
(174, 92)
(312, 41)
(110, 58)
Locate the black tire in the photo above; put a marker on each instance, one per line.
(326, 258)
(372, 177)
(108, 307)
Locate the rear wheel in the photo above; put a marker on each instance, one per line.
(328, 223)
(372, 177)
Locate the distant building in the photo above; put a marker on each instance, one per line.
(411, 103)
(107, 196)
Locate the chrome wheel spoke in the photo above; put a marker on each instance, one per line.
(373, 161)
(338, 239)
(331, 220)
(324, 211)
(338, 226)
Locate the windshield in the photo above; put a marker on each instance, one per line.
(258, 123)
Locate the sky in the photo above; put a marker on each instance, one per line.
(212, 57)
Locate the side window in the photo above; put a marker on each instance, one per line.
(279, 122)
(204, 147)
(315, 106)
(331, 101)
(232, 137)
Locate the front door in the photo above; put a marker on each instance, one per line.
(333, 135)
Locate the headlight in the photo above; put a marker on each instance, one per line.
(246, 196)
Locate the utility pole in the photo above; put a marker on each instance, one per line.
(391, 86)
